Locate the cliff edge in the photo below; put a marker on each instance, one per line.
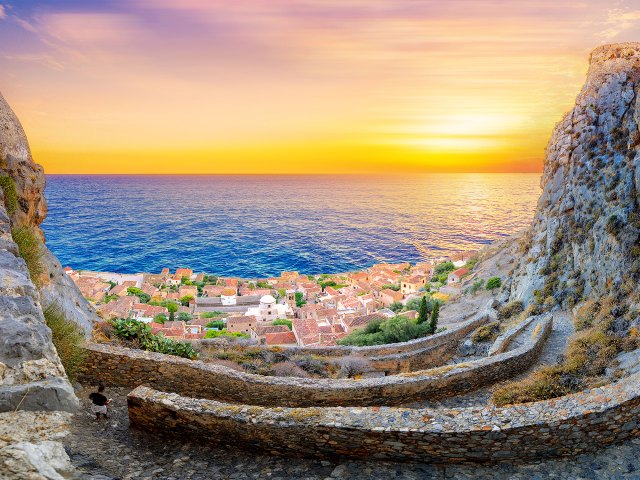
(584, 239)
(29, 180)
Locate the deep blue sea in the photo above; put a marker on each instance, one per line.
(257, 226)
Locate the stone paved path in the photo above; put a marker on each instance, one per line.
(110, 450)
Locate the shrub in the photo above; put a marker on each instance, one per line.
(380, 332)
(477, 285)
(300, 301)
(102, 332)
(10, 196)
(510, 309)
(224, 333)
(160, 319)
(493, 283)
(219, 324)
(68, 339)
(30, 248)
(213, 314)
(282, 321)
(311, 364)
(353, 365)
(396, 307)
(614, 225)
(143, 297)
(185, 317)
(392, 286)
(140, 334)
(288, 369)
(485, 333)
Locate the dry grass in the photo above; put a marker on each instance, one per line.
(590, 351)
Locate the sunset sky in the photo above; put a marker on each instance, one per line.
(298, 86)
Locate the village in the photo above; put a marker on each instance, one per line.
(291, 309)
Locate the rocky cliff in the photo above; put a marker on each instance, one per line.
(34, 389)
(28, 177)
(584, 238)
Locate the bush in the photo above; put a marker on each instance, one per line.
(30, 248)
(396, 307)
(10, 196)
(300, 301)
(160, 319)
(589, 353)
(185, 317)
(485, 333)
(282, 321)
(68, 339)
(353, 365)
(224, 333)
(310, 364)
(392, 286)
(213, 314)
(614, 225)
(102, 332)
(218, 324)
(493, 283)
(288, 369)
(143, 297)
(380, 332)
(510, 309)
(140, 334)
(476, 286)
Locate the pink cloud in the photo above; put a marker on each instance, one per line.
(89, 29)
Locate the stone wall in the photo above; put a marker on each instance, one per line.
(502, 342)
(566, 426)
(418, 354)
(117, 366)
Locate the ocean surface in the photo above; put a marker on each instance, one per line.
(258, 226)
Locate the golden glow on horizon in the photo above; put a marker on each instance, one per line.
(298, 86)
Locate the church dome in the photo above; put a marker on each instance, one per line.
(267, 299)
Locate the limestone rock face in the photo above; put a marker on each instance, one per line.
(584, 237)
(17, 163)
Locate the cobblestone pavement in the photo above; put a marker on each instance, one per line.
(109, 450)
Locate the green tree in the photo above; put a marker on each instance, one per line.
(173, 308)
(143, 297)
(186, 300)
(184, 317)
(433, 321)
(493, 283)
(396, 307)
(160, 318)
(300, 301)
(424, 311)
(283, 321)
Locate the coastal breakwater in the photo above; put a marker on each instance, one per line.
(116, 366)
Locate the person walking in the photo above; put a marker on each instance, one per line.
(99, 403)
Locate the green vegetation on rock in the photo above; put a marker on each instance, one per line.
(68, 339)
(30, 248)
(10, 196)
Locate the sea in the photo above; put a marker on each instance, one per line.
(259, 225)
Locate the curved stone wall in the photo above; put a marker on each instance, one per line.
(502, 342)
(131, 368)
(421, 353)
(564, 426)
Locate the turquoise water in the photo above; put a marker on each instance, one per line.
(260, 225)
